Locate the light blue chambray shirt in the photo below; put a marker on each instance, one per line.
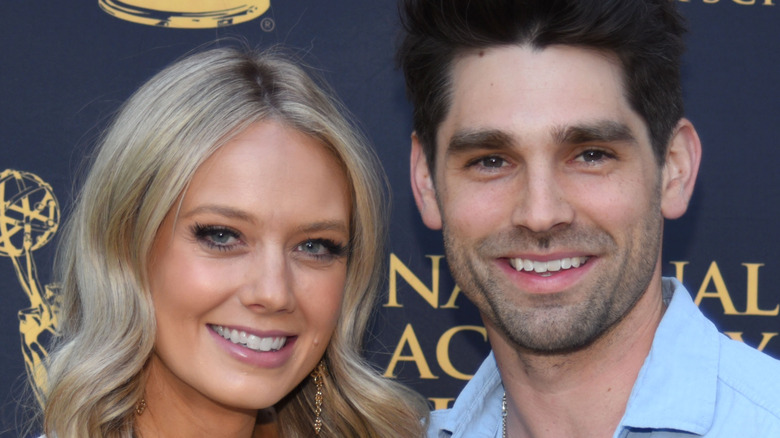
(694, 382)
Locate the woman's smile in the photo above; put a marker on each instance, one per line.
(250, 341)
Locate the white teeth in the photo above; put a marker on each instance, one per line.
(548, 266)
(251, 341)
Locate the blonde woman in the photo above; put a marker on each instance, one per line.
(220, 265)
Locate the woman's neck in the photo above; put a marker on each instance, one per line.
(178, 410)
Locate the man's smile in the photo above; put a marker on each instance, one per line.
(547, 267)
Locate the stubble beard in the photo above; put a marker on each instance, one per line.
(556, 324)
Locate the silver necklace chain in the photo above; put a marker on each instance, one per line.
(503, 415)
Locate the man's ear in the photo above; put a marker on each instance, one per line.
(422, 186)
(680, 169)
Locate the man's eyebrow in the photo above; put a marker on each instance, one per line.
(466, 141)
(607, 131)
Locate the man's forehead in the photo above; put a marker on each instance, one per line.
(507, 87)
(527, 69)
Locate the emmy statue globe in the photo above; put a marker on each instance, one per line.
(29, 218)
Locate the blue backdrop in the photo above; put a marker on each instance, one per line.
(66, 67)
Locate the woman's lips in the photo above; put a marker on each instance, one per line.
(258, 350)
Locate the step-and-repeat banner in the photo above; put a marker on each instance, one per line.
(65, 67)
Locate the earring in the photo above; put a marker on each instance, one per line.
(140, 407)
(318, 375)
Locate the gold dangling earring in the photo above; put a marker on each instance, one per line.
(318, 375)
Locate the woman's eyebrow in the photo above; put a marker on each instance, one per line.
(326, 225)
(229, 212)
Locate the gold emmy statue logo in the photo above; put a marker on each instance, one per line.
(29, 218)
(189, 14)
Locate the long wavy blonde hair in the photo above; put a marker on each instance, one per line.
(146, 159)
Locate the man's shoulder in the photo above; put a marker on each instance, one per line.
(748, 387)
(699, 380)
(752, 375)
(748, 392)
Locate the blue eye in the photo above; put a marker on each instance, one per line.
(221, 237)
(217, 237)
(321, 248)
(313, 247)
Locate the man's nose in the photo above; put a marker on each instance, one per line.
(542, 201)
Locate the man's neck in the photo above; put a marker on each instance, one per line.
(580, 394)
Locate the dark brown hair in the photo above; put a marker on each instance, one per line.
(645, 35)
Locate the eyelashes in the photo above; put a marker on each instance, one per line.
(222, 238)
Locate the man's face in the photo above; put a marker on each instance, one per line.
(548, 194)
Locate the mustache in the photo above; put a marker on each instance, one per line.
(582, 238)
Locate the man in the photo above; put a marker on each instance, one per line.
(549, 146)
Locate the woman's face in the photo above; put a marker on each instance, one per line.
(247, 281)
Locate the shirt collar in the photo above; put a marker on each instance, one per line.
(676, 387)
(477, 410)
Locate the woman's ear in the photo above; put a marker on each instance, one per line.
(423, 186)
(680, 169)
